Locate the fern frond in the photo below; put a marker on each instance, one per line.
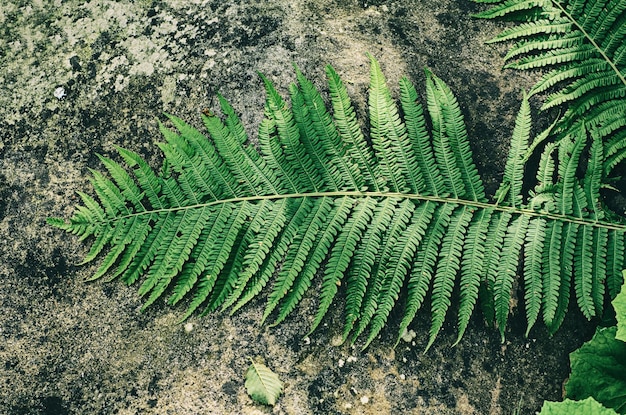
(288, 152)
(273, 223)
(323, 243)
(335, 157)
(583, 263)
(551, 260)
(530, 29)
(340, 257)
(383, 289)
(184, 239)
(328, 177)
(493, 252)
(581, 43)
(599, 269)
(223, 220)
(401, 264)
(298, 253)
(446, 159)
(242, 158)
(569, 235)
(615, 262)
(249, 234)
(372, 254)
(509, 7)
(297, 210)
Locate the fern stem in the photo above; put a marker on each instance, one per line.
(358, 194)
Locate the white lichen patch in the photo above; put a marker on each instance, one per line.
(59, 92)
(111, 41)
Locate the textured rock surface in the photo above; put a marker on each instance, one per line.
(78, 78)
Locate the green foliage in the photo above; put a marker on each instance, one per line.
(262, 384)
(598, 372)
(619, 304)
(400, 214)
(580, 46)
(568, 407)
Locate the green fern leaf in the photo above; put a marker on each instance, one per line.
(580, 46)
(423, 268)
(422, 147)
(350, 133)
(493, 249)
(472, 267)
(447, 269)
(246, 238)
(297, 257)
(389, 138)
(454, 128)
(382, 298)
(392, 219)
(511, 186)
(323, 244)
(533, 251)
(316, 203)
(583, 272)
(444, 156)
(289, 157)
(513, 242)
(341, 255)
(400, 265)
(569, 237)
(509, 7)
(615, 262)
(257, 251)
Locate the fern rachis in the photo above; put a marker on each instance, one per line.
(318, 201)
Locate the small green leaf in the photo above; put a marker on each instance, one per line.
(262, 384)
(599, 370)
(568, 407)
(619, 303)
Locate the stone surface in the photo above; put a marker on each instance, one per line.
(79, 78)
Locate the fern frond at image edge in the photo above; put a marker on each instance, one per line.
(580, 48)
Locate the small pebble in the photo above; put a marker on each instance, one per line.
(408, 336)
(59, 92)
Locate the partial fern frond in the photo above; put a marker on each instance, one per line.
(391, 223)
(582, 47)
